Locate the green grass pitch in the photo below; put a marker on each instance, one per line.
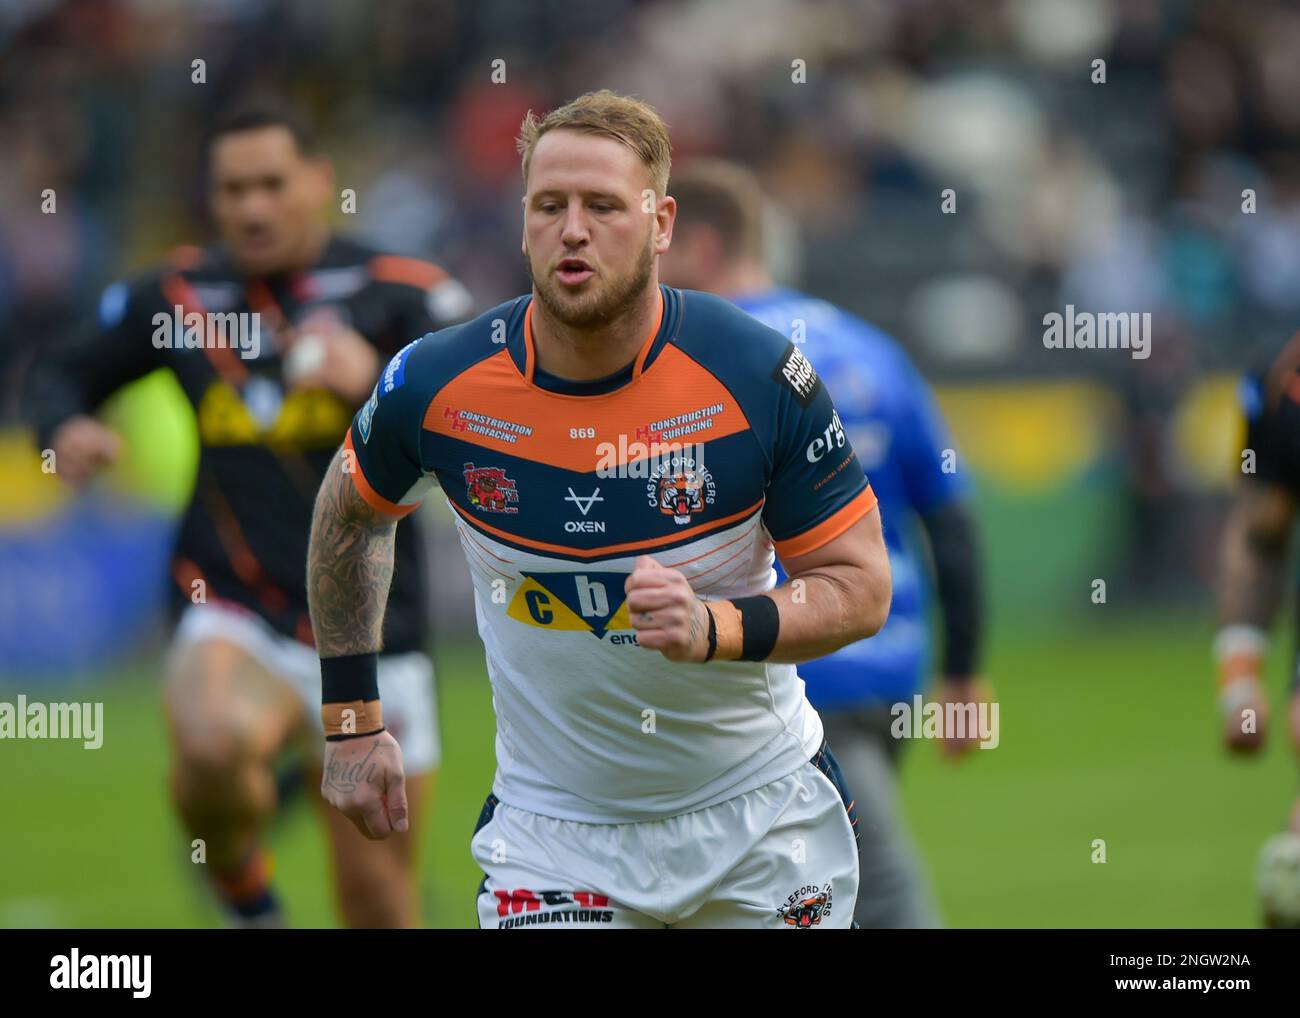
(1106, 733)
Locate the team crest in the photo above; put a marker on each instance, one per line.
(490, 490)
(807, 907)
(681, 488)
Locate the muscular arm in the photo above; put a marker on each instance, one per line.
(1253, 555)
(349, 566)
(836, 595)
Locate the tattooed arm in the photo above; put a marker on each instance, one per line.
(349, 566)
(349, 569)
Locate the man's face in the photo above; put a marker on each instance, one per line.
(265, 198)
(591, 232)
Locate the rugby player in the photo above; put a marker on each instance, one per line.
(1254, 555)
(889, 416)
(269, 413)
(622, 460)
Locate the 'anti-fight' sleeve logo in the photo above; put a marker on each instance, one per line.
(796, 371)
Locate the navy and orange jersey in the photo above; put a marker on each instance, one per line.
(1270, 398)
(264, 445)
(716, 447)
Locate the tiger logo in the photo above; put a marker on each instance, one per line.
(681, 495)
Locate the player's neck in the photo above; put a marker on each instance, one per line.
(306, 256)
(312, 249)
(744, 279)
(581, 355)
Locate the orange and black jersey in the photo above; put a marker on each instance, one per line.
(1270, 398)
(697, 433)
(264, 445)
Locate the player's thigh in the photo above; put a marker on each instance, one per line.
(223, 704)
(801, 874)
(536, 875)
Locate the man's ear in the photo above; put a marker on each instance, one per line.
(666, 218)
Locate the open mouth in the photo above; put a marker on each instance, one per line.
(258, 239)
(574, 271)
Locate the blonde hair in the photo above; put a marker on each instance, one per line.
(628, 120)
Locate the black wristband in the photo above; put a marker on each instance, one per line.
(713, 634)
(760, 622)
(354, 677)
(354, 735)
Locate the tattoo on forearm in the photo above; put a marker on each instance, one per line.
(349, 568)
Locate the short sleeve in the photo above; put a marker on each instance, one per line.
(818, 489)
(386, 435)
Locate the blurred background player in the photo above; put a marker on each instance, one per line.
(242, 674)
(1254, 559)
(893, 424)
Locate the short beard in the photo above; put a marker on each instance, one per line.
(600, 309)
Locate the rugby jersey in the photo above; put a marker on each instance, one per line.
(714, 450)
(263, 444)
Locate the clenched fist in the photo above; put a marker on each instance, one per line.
(82, 445)
(665, 612)
(364, 781)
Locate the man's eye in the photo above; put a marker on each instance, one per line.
(549, 207)
(602, 207)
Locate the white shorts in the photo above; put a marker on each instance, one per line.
(783, 856)
(406, 686)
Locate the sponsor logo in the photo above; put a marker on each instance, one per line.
(584, 526)
(797, 372)
(367, 415)
(669, 429)
(483, 424)
(574, 602)
(681, 488)
(336, 284)
(532, 908)
(395, 374)
(490, 490)
(806, 907)
(832, 438)
(584, 503)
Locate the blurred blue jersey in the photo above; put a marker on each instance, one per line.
(895, 427)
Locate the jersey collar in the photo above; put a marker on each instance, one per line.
(524, 354)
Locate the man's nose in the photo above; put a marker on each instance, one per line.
(575, 226)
